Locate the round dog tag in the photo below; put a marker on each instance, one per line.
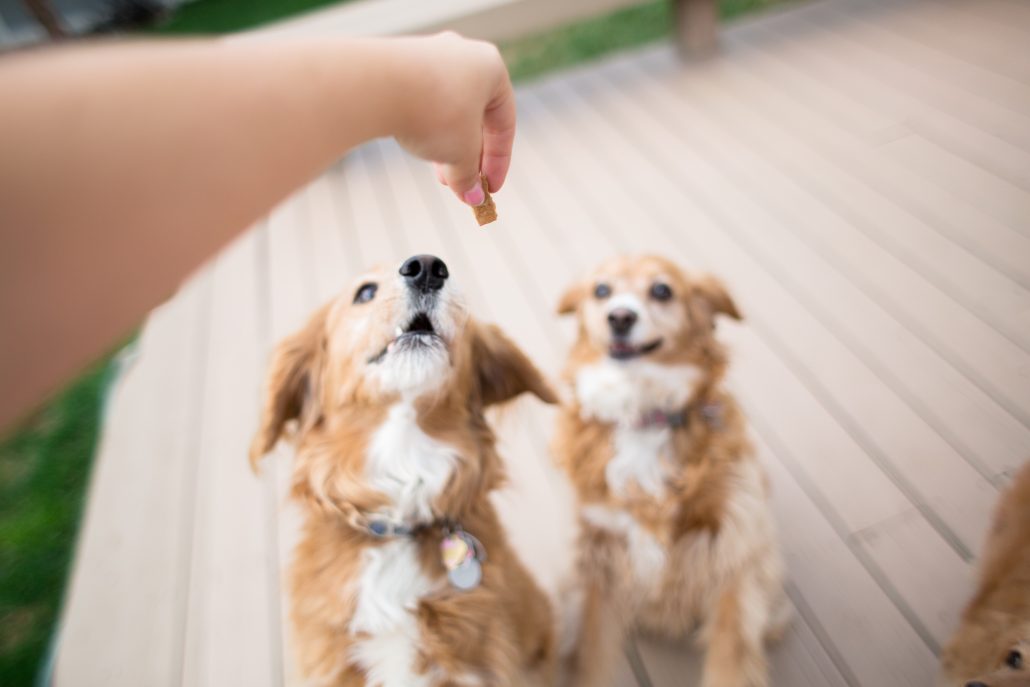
(466, 576)
(454, 551)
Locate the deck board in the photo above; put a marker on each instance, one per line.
(128, 581)
(857, 171)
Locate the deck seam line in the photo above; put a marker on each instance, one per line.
(191, 481)
(821, 635)
(262, 260)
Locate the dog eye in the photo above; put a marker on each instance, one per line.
(602, 291)
(661, 292)
(365, 293)
(1014, 659)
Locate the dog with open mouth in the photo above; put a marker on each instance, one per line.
(676, 532)
(404, 576)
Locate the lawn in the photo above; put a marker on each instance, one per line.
(44, 465)
(44, 468)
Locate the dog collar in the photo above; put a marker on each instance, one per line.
(711, 413)
(461, 554)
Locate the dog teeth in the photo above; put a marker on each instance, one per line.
(398, 332)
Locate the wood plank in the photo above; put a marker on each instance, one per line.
(874, 642)
(925, 572)
(964, 179)
(845, 102)
(363, 178)
(950, 85)
(122, 621)
(983, 291)
(937, 25)
(233, 617)
(291, 297)
(934, 64)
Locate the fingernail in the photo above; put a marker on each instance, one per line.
(474, 196)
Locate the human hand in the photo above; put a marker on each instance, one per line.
(458, 111)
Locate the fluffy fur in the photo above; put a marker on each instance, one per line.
(383, 392)
(676, 531)
(992, 644)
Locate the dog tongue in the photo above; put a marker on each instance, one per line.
(621, 347)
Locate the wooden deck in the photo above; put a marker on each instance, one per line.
(859, 174)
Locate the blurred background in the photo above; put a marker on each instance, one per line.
(857, 171)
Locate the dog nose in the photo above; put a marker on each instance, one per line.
(621, 320)
(424, 272)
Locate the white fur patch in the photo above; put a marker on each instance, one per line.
(388, 591)
(411, 468)
(641, 456)
(621, 392)
(646, 554)
(408, 465)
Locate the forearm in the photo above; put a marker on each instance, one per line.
(122, 167)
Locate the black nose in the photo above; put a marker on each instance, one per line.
(976, 684)
(424, 272)
(621, 320)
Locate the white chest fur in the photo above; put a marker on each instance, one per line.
(407, 465)
(411, 468)
(622, 392)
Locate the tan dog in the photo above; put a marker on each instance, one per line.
(992, 645)
(404, 576)
(676, 530)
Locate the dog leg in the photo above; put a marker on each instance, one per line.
(599, 644)
(733, 632)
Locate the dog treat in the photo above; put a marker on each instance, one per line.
(486, 211)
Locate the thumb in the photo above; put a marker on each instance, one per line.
(463, 176)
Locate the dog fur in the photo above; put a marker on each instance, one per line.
(996, 623)
(398, 431)
(676, 530)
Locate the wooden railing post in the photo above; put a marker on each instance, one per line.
(696, 27)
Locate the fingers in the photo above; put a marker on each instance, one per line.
(499, 135)
(462, 175)
(466, 185)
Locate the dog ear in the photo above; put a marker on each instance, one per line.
(291, 387)
(570, 300)
(503, 371)
(716, 298)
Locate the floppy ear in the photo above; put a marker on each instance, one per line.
(570, 300)
(291, 387)
(503, 371)
(716, 297)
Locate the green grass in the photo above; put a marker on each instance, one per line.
(587, 40)
(224, 16)
(44, 468)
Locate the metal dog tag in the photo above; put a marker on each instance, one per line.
(462, 555)
(466, 576)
